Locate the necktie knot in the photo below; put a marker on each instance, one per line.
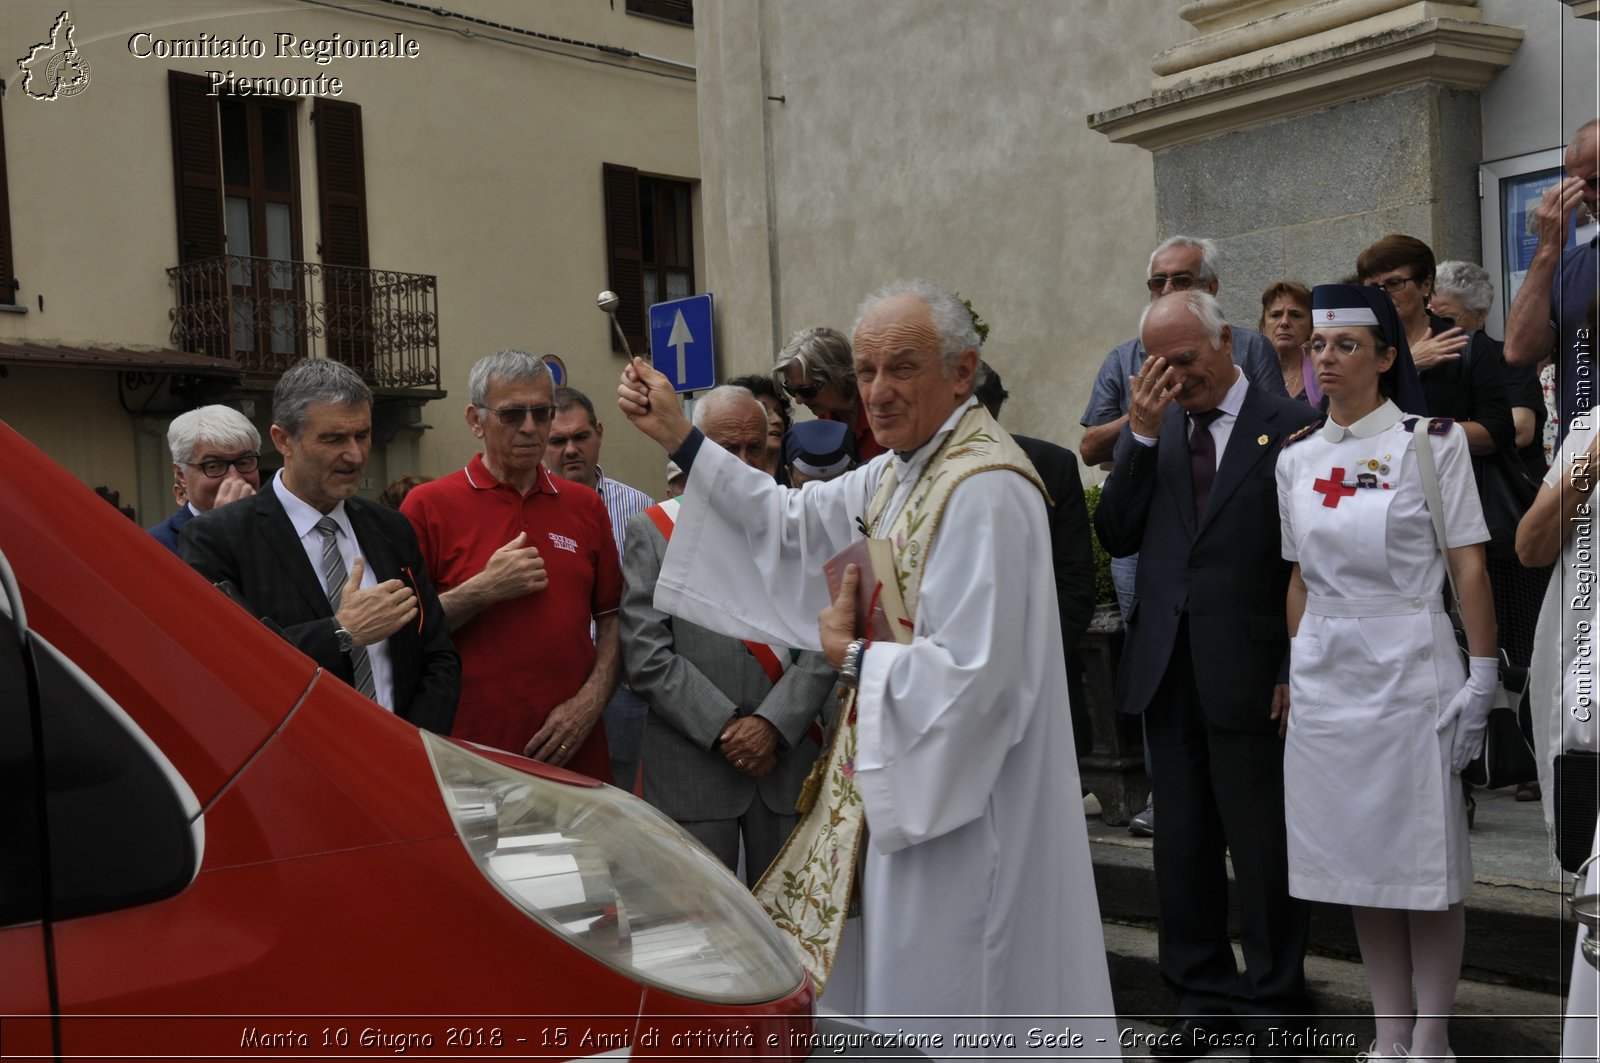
(328, 526)
(1203, 420)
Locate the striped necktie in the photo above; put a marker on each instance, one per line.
(333, 571)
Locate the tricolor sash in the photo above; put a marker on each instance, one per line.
(773, 659)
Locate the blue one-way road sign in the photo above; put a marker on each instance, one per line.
(681, 342)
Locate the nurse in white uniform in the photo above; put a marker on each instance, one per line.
(1383, 714)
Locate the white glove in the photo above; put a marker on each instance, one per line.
(1469, 711)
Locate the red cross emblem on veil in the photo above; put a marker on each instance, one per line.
(1333, 488)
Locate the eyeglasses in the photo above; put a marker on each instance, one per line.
(1157, 282)
(1393, 284)
(515, 416)
(805, 392)
(1345, 347)
(217, 468)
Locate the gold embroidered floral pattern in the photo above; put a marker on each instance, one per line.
(809, 900)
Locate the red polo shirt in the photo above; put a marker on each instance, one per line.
(521, 658)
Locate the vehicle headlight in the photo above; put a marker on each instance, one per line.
(616, 878)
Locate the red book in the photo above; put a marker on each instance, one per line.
(880, 611)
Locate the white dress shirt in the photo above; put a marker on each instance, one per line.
(304, 517)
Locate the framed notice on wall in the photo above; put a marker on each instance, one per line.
(1510, 191)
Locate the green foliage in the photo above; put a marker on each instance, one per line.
(1105, 593)
(979, 325)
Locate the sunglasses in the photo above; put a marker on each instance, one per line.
(514, 416)
(1181, 282)
(805, 392)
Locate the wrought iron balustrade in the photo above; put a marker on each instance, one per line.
(269, 313)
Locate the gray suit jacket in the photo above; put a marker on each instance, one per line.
(693, 681)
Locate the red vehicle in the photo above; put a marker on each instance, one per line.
(210, 848)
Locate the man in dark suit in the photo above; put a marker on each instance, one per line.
(730, 733)
(1072, 551)
(340, 577)
(1206, 662)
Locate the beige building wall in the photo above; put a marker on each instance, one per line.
(483, 166)
(937, 138)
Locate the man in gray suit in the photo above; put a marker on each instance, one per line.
(732, 728)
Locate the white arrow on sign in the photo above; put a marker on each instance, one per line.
(679, 338)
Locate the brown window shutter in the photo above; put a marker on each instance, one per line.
(342, 209)
(624, 252)
(196, 167)
(8, 289)
(341, 183)
(681, 11)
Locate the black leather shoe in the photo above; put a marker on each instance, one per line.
(1193, 1036)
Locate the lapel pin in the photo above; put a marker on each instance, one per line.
(1261, 440)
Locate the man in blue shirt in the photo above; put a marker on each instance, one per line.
(573, 453)
(1553, 305)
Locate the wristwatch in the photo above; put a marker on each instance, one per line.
(850, 670)
(347, 641)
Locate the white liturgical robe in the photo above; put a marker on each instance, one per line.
(980, 922)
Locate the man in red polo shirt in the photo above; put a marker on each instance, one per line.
(523, 561)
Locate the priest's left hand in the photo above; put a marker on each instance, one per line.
(836, 625)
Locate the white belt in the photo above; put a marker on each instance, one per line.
(1389, 605)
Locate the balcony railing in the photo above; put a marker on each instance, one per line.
(266, 314)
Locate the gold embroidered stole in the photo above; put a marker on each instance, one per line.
(808, 889)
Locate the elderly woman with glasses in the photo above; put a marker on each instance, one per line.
(1463, 292)
(817, 369)
(1383, 716)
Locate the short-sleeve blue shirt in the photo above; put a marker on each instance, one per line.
(1569, 308)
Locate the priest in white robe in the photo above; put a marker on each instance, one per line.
(980, 931)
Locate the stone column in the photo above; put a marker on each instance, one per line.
(1295, 134)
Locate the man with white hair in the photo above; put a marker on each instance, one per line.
(1178, 264)
(216, 456)
(1205, 664)
(951, 769)
(729, 736)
